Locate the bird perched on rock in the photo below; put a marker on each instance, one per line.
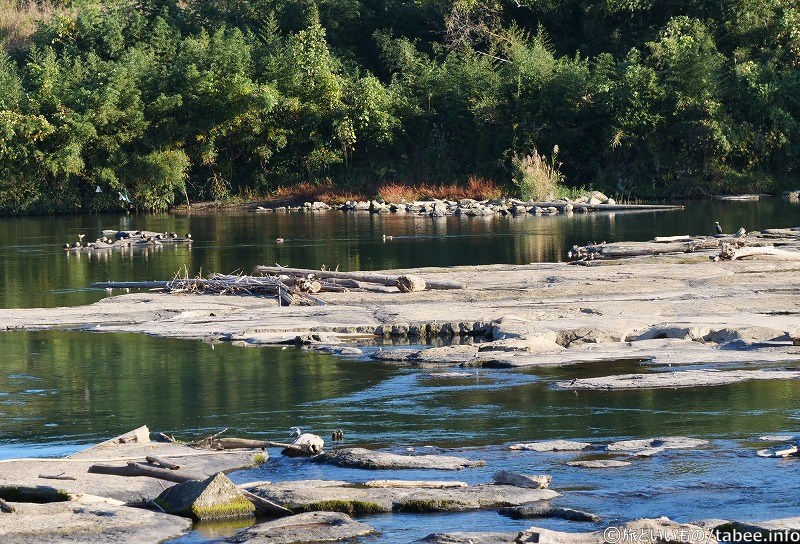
(718, 227)
(308, 444)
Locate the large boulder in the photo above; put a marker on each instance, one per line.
(214, 498)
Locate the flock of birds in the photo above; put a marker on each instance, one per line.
(123, 235)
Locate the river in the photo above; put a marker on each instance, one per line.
(61, 390)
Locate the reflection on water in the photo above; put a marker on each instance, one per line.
(73, 387)
(37, 272)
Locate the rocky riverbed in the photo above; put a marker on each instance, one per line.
(668, 312)
(45, 500)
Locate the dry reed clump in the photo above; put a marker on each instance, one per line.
(477, 188)
(538, 177)
(19, 19)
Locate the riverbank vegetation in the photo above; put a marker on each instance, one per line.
(164, 102)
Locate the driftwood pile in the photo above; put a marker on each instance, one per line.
(769, 244)
(291, 286)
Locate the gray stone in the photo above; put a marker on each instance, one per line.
(657, 444)
(304, 528)
(214, 498)
(551, 445)
(647, 531)
(87, 519)
(371, 459)
(356, 500)
(534, 481)
(469, 538)
(599, 463)
(544, 509)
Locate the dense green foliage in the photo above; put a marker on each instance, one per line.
(200, 99)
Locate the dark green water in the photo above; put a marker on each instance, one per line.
(34, 271)
(61, 390)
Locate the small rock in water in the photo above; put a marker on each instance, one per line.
(307, 527)
(535, 481)
(551, 445)
(544, 509)
(599, 463)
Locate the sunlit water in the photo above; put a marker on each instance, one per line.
(60, 391)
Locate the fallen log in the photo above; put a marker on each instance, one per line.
(232, 443)
(767, 253)
(666, 239)
(137, 469)
(160, 461)
(365, 277)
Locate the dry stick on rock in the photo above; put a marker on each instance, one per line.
(208, 439)
(264, 505)
(160, 461)
(366, 277)
(136, 469)
(55, 477)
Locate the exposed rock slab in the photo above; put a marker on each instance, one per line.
(82, 521)
(469, 538)
(371, 459)
(353, 499)
(661, 530)
(415, 484)
(213, 498)
(647, 445)
(203, 463)
(680, 378)
(304, 528)
(551, 445)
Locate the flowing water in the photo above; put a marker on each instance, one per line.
(61, 390)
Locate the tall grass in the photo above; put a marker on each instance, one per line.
(19, 19)
(537, 177)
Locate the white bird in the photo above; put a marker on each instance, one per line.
(310, 444)
(279, 240)
(80, 237)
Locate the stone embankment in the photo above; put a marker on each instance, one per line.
(469, 207)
